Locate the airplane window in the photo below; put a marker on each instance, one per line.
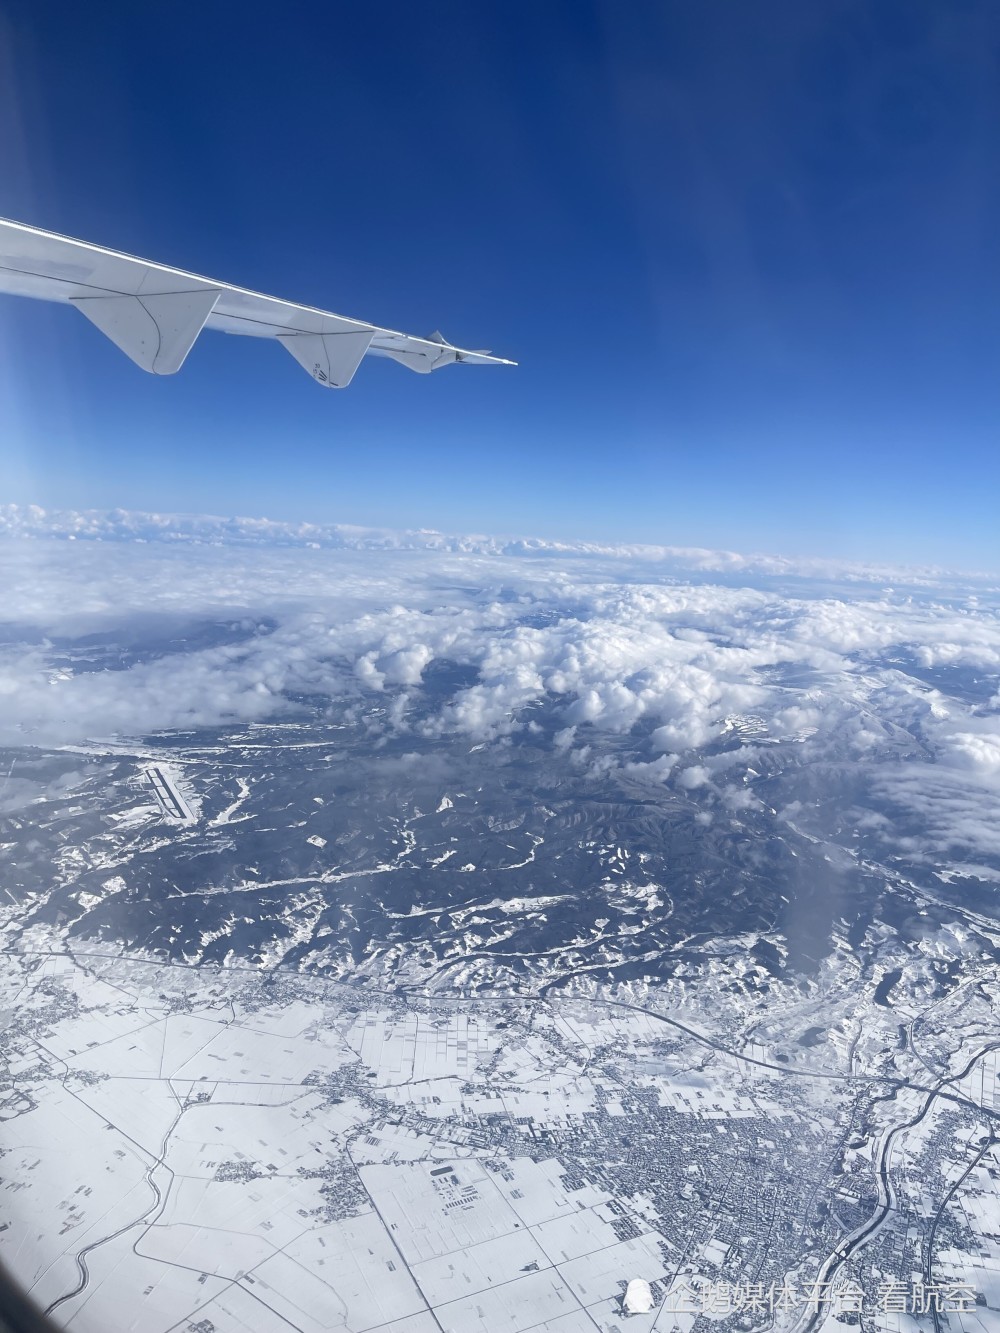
(509, 846)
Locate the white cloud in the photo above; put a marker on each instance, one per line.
(977, 751)
(33, 521)
(721, 659)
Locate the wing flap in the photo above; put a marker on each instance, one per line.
(330, 358)
(409, 352)
(155, 331)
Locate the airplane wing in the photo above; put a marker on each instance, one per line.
(154, 313)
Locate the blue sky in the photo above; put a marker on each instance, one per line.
(745, 255)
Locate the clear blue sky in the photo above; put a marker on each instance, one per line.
(746, 254)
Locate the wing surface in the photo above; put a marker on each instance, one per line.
(155, 314)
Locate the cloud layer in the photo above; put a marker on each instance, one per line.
(32, 521)
(699, 680)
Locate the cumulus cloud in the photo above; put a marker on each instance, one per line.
(33, 521)
(703, 666)
(977, 751)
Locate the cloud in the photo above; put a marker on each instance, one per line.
(707, 679)
(33, 521)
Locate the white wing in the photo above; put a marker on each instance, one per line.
(154, 313)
